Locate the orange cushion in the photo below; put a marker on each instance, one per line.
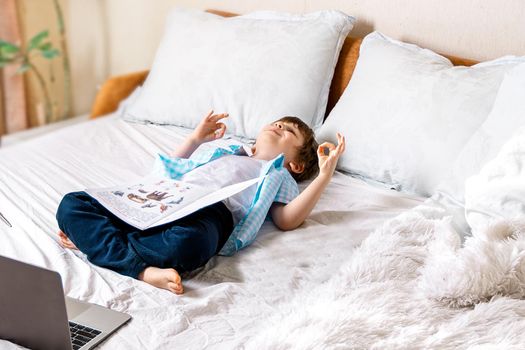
(114, 90)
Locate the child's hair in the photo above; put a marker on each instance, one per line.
(307, 153)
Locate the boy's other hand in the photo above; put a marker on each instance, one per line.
(209, 128)
(328, 160)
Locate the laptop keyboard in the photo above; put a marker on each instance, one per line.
(81, 335)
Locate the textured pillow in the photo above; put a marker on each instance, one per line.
(257, 67)
(507, 115)
(498, 191)
(407, 113)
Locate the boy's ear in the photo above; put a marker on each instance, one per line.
(296, 167)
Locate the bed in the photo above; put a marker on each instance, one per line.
(229, 293)
(349, 277)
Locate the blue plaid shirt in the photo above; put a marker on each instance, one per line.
(277, 186)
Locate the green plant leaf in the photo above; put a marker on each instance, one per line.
(37, 40)
(8, 52)
(23, 68)
(8, 48)
(45, 46)
(49, 54)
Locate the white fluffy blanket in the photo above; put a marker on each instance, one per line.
(411, 284)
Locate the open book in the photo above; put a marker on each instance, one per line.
(159, 200)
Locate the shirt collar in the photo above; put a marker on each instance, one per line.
(276, 163)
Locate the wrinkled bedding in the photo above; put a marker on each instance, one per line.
(226, 296)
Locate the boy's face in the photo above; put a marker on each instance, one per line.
(280, 137)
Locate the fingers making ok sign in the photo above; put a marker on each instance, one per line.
(328, 155)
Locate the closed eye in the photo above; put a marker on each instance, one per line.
(290, 129)
(286, 127)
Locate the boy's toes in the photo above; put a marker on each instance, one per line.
(175, 288)
(65, 241)
(68, 244)
(168, 279)
(174, 281)
(62, 235)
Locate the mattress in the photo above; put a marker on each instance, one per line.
(229, 294)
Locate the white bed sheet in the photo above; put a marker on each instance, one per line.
(225, 296)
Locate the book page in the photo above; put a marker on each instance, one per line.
(143, 204)
(156, 201)
(210, 198)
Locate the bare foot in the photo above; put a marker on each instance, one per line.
(65, 241)
(162, 278)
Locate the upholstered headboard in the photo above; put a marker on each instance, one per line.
(119, 87)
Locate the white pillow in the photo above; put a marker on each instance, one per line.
(125, 103)
(257, 67)
(498, 191)
(507, 115)
(407, 112)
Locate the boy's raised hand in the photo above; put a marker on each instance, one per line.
(290, 216)
(209, 128)
(327, 162)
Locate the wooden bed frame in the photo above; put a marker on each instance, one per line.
(116, 88)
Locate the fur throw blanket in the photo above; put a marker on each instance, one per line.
(411, 285)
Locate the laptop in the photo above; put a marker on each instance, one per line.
(34, 312)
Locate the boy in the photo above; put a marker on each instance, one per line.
(283, 149)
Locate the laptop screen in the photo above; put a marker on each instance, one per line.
(32, 306)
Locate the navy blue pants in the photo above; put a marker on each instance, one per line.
(184, 244)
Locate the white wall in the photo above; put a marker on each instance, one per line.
(86, 26)
(477, 29)
(136, 26)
